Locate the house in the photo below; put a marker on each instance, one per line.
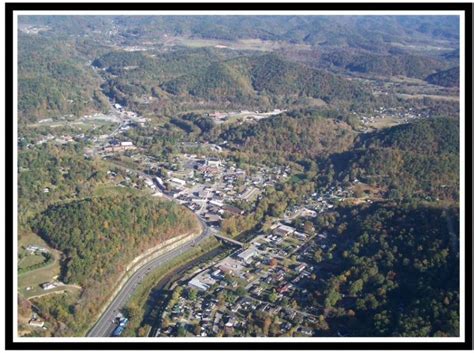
(217, 203)
(231, 323)
(48, 286)
(232, 210)
(283, 289)
(149, 183)
(35, 248)
(212, 218)
(300, 268)
(36, 323)
(159, 182)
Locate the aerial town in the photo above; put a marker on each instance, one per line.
(238, 176)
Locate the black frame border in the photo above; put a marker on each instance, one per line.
(254, 345)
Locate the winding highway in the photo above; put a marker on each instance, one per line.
(105, 325)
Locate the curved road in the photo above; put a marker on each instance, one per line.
(105, 326)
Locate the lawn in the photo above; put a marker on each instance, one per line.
(43, 274)
(30, 260)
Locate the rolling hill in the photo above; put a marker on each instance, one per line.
(421, 158)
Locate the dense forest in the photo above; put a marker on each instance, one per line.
(63, 171)
(53, 81)
(364, 32)
(291, 137)
(390, 64)
(421, 158)
(195, 75)
(393, 271)
(99, 235)
(448, 78)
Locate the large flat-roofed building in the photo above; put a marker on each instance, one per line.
(178, 181)
(247, 255)
(283, 230)
(202, 281)
(196, 283)
(213, 162)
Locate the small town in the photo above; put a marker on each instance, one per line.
(207, 177)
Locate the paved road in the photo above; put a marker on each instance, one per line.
(105, 326)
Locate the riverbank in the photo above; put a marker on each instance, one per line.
(140, 306)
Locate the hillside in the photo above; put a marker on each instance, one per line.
(397, 271)
(267, 75)
(421, 158)
(293, 136)
(99, 236)
(447, 78)
(53, 81)
(203, 77)
(349, 31)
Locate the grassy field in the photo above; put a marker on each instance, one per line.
(242, 44)
(30, 260)
(34, 278)
(385, 122)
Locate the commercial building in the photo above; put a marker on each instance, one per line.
(283, 230)
(177, 181)
(246, 255)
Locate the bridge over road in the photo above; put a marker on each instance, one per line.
(229, 240)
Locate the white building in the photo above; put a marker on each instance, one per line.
(217, 203)
(178, 181)
(196, 283)
(248, 254)
(213, 162)
(36, 323)
(48, 286)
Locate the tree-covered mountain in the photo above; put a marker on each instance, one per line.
(202, 76)
(54, 81)
(407, 160)
(366, 32)
(293, 136)
(448, 78)
(100, 235)
(397, 272)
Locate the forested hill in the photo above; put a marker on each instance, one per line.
(268, 75)
(448, 78)
(291, 137)
(417, 158)
(53, 81)
(204, 77)
(366, 32)
(398, 273)
(100, 235)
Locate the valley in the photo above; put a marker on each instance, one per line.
(311, 165)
